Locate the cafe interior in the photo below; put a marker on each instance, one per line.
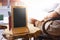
(26, 20)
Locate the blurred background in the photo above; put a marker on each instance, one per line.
(37, 9)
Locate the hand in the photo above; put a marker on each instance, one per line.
(32, 21)
(36, 22)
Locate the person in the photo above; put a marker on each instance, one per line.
(55, 13)
(55, 29)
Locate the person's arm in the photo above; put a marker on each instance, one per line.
(52, 15)
(55, 13)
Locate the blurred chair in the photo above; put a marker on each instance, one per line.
(10, 36)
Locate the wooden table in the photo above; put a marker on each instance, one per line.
(33, 32)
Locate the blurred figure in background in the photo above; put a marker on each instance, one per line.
(55, 28)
